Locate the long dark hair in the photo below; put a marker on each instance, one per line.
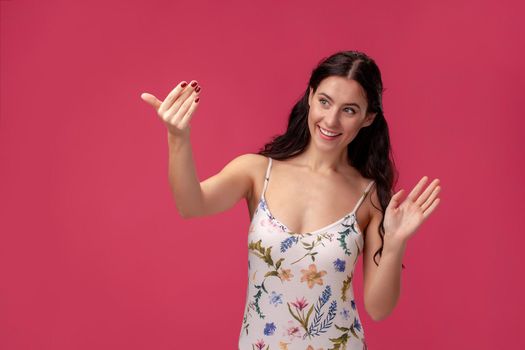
(369, 152)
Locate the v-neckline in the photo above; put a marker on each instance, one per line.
(350, 214)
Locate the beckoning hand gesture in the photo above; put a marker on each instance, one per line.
(403, 219)
(178, 107)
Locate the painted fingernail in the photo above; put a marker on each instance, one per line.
(193, 84)
(196, 100)
(183, 84)
(198, 89)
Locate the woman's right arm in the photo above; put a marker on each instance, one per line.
(216, 194)
(192, 198)
(182, 177)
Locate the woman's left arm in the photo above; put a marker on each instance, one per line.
(382, 283)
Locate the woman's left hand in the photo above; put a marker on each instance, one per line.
(402, 219)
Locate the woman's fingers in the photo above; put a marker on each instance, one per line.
(428, 191)
(187, 117)
(183, 96)
(172, 97)
(412, 196)
(176, 117)
(431, 198)
(151, 100)
(395, 200)
(177, 107)
(429, 210)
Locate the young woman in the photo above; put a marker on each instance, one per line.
(319, 195)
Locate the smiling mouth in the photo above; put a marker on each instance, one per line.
(327, 133)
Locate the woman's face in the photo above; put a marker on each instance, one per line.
(338, 106)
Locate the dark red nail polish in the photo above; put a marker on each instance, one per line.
(193, 84)
(198, 89)
(183, 84)
(196, 100)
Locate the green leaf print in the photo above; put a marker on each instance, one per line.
(342, 240)
(262, 286)
(257, 296)
(308, 314)
(278, 263)
(300, 318)
(261, 252)
(271, 273)
(265, 254)
(293, 315)
(344, 329)
(267, 257)
(340, 342)
(307, 245)
(346, 285)
(310, 246)
(353, 332)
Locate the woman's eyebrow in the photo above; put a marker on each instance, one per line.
(331, 100)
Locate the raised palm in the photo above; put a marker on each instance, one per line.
(402, 219)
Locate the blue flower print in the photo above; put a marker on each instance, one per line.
(339, 265)
(288, 242)
(269, 329)
(327, 292)
(352, 302)
(357, 325)
(276, 299)
(345, 313)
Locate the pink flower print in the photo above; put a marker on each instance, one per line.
(259, 344)
(267, 222)
(292, 331)
(300, 303)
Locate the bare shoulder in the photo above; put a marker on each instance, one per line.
(223, 190)
(373, 208)
(252, 164)
(253, 158)
(374, 205)
(251, 161)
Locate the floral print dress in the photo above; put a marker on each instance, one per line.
(299, 293)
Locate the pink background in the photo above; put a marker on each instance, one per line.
(93, 254)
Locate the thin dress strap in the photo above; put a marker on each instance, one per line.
(363, 196)
(267, 176)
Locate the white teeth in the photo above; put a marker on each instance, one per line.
(327, 133)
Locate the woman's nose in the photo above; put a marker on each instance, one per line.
(331, 118)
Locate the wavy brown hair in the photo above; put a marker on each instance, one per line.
(370, 151)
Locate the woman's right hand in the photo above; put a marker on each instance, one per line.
(178, 107)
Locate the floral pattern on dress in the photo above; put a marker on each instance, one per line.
(300, 293)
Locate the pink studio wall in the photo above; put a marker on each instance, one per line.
(93, 254)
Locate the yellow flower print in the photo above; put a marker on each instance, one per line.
(312, 348)
(285, 274)
(311, 276)
(283, 345)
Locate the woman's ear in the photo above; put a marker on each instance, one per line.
(369, 119)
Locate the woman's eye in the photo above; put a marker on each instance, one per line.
(349, 110)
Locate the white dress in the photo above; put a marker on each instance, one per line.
(299, 293)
